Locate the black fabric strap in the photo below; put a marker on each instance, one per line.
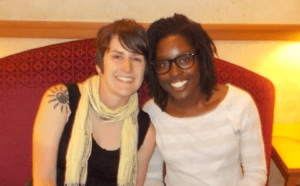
(74, 95)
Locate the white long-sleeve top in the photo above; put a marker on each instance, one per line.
(208, 150)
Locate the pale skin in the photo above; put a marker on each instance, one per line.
(48, 128)
(54, 113)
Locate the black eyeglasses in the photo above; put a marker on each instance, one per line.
(183, 61)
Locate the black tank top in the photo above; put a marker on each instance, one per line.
(102, 164)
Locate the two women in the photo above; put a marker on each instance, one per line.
(93, 133)
(208, 134)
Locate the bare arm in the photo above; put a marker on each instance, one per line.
(144, 155)
(48, 127)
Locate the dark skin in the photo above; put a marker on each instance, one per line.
(183, 85)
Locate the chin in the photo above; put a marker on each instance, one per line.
(127, 90)
(127, 93)
(180, 97)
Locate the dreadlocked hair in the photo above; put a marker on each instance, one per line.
(196, 36)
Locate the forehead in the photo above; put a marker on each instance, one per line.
(172, 46)
(115, 44)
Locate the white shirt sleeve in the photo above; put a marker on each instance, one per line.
(252, 148)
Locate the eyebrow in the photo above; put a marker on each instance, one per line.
(116, 51)
(132, 53)
(166, 58)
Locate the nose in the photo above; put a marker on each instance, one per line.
(174, 69)
(126, 65)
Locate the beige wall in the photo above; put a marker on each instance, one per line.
(279, 62)
(205, 11)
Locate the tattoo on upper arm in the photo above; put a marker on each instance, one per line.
(60, 96)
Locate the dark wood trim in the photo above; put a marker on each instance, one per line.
(81, 30)
(279, 163)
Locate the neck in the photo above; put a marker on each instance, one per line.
(111, 101)
(187, 103)
(187, 106)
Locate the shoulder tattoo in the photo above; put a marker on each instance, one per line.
(59, 95)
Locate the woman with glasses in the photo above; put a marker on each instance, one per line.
(208, 134)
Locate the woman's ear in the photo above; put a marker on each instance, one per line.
(99, 63)
(98, 69)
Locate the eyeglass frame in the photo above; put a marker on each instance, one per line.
(170, 61)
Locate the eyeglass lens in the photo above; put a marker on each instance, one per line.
(184, 61)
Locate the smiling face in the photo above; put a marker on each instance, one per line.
(180, 84)
(123, 72)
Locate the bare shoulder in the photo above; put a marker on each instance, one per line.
(54, 107)
(51, 118)
(52, 115)
(57, 97)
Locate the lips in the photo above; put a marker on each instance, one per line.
(125, 79)
(179, 84)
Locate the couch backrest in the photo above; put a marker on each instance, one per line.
(24, 77)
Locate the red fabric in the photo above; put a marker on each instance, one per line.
(24, 77)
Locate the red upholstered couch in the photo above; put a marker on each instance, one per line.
(25, 76)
